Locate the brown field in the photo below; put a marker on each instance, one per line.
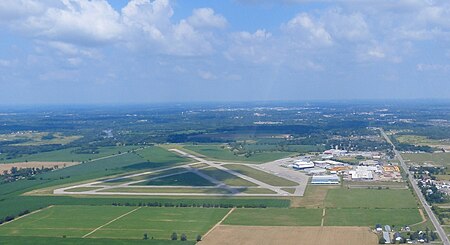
(287, 235)
(314, 197)
(19, 165)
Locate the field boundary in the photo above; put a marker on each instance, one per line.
(220, 222)
(25, 215)
(121, 216)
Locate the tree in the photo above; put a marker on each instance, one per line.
(145, 236)
(174, 236)
(183, 237)
(199, 238)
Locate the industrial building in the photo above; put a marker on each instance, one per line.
(302, 165)
(325, 180)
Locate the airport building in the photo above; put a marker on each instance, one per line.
(325, 180)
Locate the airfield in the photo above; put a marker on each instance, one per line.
(201, 178)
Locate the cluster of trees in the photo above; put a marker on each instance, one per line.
(12, 217)
(16, 173)
(189, 205)
(431, 193)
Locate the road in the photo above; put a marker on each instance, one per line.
(434, 220)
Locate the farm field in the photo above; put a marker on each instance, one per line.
(30, 138)
(19, 165)
(370, 198)
(261, 175)
(114, 222)
(275, 217)
(274, 235)
(438, 159)
(14, 240)
(370, 217)
(67, 155)
(220, 152)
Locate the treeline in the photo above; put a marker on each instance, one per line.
(12, 217)
(189, 205)
(22, 173)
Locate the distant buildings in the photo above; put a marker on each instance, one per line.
(302, 165)
(325, 180)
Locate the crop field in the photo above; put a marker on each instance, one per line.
(29, 138)
(370, 198)
(261, 175)
(68, 155)
(275, 217)
(226, 178)
(220, 152)
(370, 217)
(19, 165)
(438, 159)
(288, 235)
(114, 222)
(12, 240)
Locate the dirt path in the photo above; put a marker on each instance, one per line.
(219, 223)
(323, 217)
(25, 215)
(121, 216)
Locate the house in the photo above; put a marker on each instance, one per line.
(387, 228)
(386, 237)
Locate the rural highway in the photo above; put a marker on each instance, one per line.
(424, 203)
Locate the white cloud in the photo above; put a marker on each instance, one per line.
(307, 30)
(77, 21)
(205, 17)
(206, 75)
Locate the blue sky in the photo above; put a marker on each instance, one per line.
(144, 51)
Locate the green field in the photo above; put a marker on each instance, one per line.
(225, 177)
(78, 221)
(160, 157)
(440, 159)
(275, 217)
(124, 179)
(38, 138)
(221, 153)
(261, 175)
(168, 190)
(17, 240)
(370, 198)
(370, 217)
(67, 155)
(184, 179)
(256, 191)
(81, 189)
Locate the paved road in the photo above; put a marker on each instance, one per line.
(424, 203)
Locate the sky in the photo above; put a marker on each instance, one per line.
(151, 51)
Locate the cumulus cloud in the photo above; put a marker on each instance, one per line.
(141, 24)
(304, 27)
(205, 17)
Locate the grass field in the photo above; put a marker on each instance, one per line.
(16, 240)
(184, 179)
(370, 198)
(127, 222)
(370, 217)
(225, 177)
(275, 217)
(261, 175)
(81, 189)
(256, 191)
(440, 159)
(116, 181)
(220, 152)
(66, 155)
(168, 190)
(38, 138)
(160, 157)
